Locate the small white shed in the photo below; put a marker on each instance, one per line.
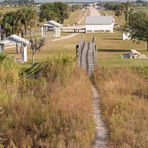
(13, 40)
(99, 24)
(51, 26)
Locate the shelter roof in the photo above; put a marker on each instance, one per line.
(99, 20)
(47, 25)
(54, 23)
(15, 38)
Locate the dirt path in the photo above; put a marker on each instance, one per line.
(66, 37)
(94, 12)
(101, 132)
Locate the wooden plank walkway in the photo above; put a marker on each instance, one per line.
(86, 59)
(86, 55)
(101, 132)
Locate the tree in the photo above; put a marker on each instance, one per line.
(139, 1)
(26, 17)
(57, 11)
(19, 21)
(138, 26)
(36, 45)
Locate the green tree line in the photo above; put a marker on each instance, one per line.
(57, 11)
(138, 26)
(21, 21)
(18, 22)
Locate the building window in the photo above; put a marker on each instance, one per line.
(89, 30)
(101, 30)
(107, 30)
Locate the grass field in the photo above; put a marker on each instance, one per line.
(73, 18)
(8, 9)
(141, 8)
(54, 92)
(124, 104)
(110, 47)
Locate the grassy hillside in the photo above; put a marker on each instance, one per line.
(124, 99)
(47, 106)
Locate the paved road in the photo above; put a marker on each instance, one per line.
(94, 11)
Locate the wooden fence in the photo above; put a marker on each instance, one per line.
(86, 55)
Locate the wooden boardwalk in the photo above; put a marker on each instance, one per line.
(86, 59)
(86, 55)
(101, 132)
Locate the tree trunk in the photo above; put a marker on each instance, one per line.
(32, 58)
(147, 44)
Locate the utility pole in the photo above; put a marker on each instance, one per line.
(127, 19)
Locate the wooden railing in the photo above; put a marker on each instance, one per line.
(86, 55)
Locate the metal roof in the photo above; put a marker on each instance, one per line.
(47, 25)
(99, 20)
(16, 39)
(54, 23)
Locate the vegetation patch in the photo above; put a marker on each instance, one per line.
(124, 99)
(52, 107)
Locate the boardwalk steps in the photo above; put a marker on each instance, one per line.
(86, 55)
(86, 59)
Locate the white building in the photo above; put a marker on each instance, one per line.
(51, 26)
(57, 28)
(99, 24)
(15, 40)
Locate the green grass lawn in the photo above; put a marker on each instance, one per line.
(141, 8)
(110, 48)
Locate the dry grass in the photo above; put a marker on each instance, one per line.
(118, 20)
(124, 98)
(73, 18)
(52, 107)
(4, 9)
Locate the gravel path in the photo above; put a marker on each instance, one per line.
(101, 132)
(94, 12)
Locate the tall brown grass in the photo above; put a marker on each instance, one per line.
(9, 78)
(52, 107)
(124, 98)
